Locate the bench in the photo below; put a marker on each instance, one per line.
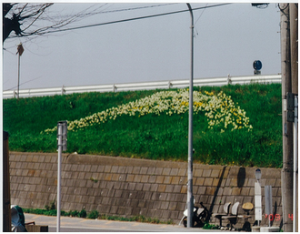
(232, 218)
(36, 228)
(220, 215)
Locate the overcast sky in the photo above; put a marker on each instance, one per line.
(227, 41)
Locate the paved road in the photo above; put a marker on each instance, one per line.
(71, 224)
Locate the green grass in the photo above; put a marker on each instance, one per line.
(210, 226)
(153, 137)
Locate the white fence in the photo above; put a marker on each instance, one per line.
(219, 81)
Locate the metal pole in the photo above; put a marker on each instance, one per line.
(295, 174)
(18, 74)
(190, 199)
(60, 133)
(257, 201)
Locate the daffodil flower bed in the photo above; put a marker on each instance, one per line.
(219, 109)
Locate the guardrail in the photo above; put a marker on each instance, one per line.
(219, 81)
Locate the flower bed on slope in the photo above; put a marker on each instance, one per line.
(219, 109)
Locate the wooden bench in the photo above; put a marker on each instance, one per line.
(31, 227)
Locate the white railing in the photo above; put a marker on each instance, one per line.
(219, 81)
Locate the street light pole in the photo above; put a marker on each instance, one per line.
(59, 143)
(62, 129)
(190, 198)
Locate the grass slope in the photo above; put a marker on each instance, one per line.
(154, 137)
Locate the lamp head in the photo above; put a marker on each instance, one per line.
(258, 174)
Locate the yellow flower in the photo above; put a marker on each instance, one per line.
(217, 108)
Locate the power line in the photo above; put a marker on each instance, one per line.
(127, 20)
(9, 51)
(136, 8)
(22, 83)
(126, 9)
(200, 15)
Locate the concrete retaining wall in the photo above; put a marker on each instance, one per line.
(130, 187)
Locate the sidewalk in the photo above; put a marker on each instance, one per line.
(71, 224)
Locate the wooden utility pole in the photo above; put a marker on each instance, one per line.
(287, 127)
(6, 186)
(20, 52)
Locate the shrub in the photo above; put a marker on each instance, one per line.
(64, 213)
(51, 212)
(74, 213)
(82, 213)
(51, 206)
(210, 226)
(93, 215)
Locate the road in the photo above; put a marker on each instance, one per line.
(71, 224)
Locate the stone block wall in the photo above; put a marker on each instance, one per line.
(131, 187)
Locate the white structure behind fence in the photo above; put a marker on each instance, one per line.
(218, 81)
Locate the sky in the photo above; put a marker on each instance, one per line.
(227, 40)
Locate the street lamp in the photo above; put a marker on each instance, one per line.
(190, 199)
(258, 174)
(257, 196)
(62, 130)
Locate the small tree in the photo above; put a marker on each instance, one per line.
(27, 19)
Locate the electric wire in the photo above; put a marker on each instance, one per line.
(136, 8)
(282, 9)
(200, 15)
(23, 83)
(9, 51)
(125, 20)
(127, 9)
(73, 18)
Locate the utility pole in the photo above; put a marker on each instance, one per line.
(294, 45)
(293, 8)
(190, 197)
(6, 222)
(287, 127)
(20, 52)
